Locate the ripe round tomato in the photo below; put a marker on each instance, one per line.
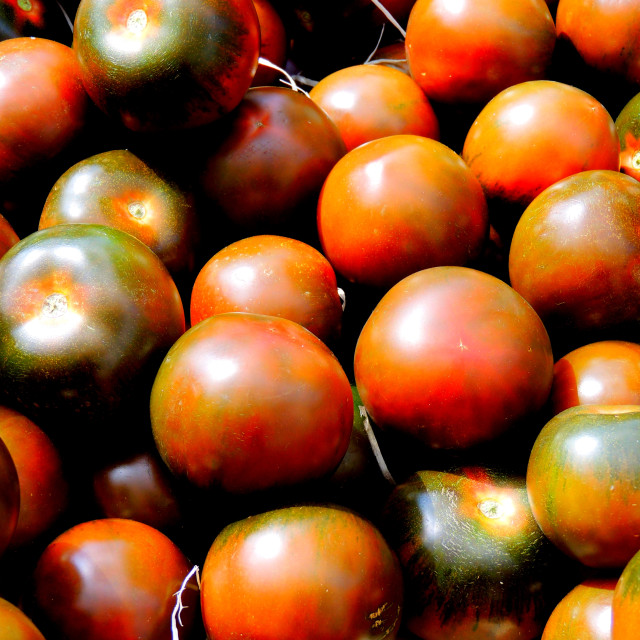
(270, 275)
(628, 128)
(369, 101)
(111, 578)
(273, 43)
(8, 237)
(246, 402)
(9, 497)
(583, 482)
(166, 64)
(453, 357)
(412, 203)
(626, 596)
(323, 572)
(464, 51)
(15, 624)
(513, 145)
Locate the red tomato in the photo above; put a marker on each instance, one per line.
(271, 275)
(15, 624)
(246, 402)
(628, 128)
(111, 578)
(8, 237)
(166, 64)
(513, 146)
(315, 571)
(273, 43)
(625, 609)
(583, 482)
(453, 357)
(371, 101)
(9, 497)
(466, 51)
(412, 203)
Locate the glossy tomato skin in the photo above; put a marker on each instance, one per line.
(167, 64)
(9, 497)
(111, 578)
(271, 275)
(625, 609)
(512, 146)
(574, 254)
(247, 402)
(15, 624)
(471, 53)
(323, 571)
(273, 43)
(453, 357)
(628, 128)
(43, 105)
(412, 202)
(583, 483)
(87, 314)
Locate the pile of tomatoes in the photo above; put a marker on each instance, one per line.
(319, 319)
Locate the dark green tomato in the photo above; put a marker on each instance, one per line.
(475, 563)
(166, 64)
(87, 313)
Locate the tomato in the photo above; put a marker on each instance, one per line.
(15, 624)
(8, 237)
(119, 189)
(43, 105)
(628, 128)
(322, 571)
(273, 43)
(33, 18)
(86, 315)
(465, 51)
(625, 609)
(574, 255)
(370, 101)
(585, 612)
(9, 497)
(111, 578)
(583, 482)
(246, 402)
(271, 275)
(452, 357)
(166, 64)
(514, 148)
(605, 372)
(475, 563)
(412, 203)
(392, 55)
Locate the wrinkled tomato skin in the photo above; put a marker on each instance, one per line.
(628, 128)
(166, 64)
(15, 624)
(472, 54)
(9, 497)
(111, 578)
(452, 380)
(583, 483)
(626, 602)
(323, 571)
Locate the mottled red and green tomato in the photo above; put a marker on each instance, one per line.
(118, 189)
(111, 578)
(626, 602)
(370, 101)
(412, 203)
(583, 481)
(8, 237)
(43, 105)
(324, 572)
(512, 146)
(273, 43)
(9, 497)
(271, 275)
(155, 65)
(247, 402)
(465, 51)
(86, 315)
(453, 357)
(575, 253)
(15, 624)
(475, 563)
(628, 128)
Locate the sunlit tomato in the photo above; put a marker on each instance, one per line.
(43, 105)
(453, 357)
(513, 146)
(605, 372)
(273, 43)
(246, 402)
(86, 315)
(575, 253)
(626, 596)
(166, 64)
(466, 51)
(43, 487)
(370, 101)
(628, 128)
(9, 497)
(583, 482)
(8, 237)
(585, 612)
(118, 189)
(320, 572)
(412, 203)
(474, 561)
(15, 624)
(111, 578)
(271, 275)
